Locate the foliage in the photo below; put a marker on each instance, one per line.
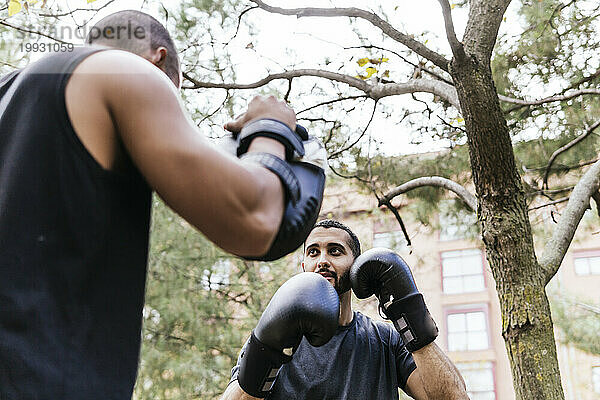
(578, 320)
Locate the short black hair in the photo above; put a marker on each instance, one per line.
(151, 35)
(354, 243)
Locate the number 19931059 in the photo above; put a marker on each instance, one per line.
(46, 47)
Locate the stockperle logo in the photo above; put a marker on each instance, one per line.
(16, 6)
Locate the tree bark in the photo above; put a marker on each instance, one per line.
(506, 230)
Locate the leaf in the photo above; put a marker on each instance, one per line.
(370, 72)
(386, 73)
(452, 6)
(90, 1)
(14, 7)
(377, 61)
(363, 61)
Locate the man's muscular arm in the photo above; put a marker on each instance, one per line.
(436, 377)
(238, 205)
(384, 273)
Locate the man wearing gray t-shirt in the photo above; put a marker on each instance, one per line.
(365, 359)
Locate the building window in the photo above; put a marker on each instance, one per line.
(467, 331)
(596, 378)
(456, 223)
(462, 271)
(479, 379)
(587, 265)
(394, 240)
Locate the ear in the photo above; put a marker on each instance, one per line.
(159, 57)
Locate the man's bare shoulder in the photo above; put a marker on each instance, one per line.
(113, 67)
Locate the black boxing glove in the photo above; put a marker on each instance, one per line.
(303, 180)
(384, 273)
(305, 305)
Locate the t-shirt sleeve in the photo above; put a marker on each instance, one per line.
(236, 368)
(405, 364)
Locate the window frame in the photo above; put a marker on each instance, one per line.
(466, 309)
(483, 271)
(494, 378)
(584, 254)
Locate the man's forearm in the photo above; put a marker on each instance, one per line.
(441, 379)
(235, 392)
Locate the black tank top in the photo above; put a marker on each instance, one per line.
(73, 249)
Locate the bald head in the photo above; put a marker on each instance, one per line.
(141, 34)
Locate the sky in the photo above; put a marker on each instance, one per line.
(314, 39)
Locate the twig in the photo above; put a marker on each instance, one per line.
(337, 153)
(567, 147)
(239, 22)
(550, 99)
(71, 12)
(22, 29)
(394, 211)
(362, 96)
(551, 203)
(287, 94)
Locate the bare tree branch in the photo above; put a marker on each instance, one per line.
(374, 19)
(239, 22)
(557, 246)
(334, 76)
(565, 148)
(439, 88)
(374, 91)
(324, 103)
(583, 80)
(551, 203)
(25, 30)
(457, 47)
(394, 211)
(71, 12)
(550, 99)
(438, 181)
(562, 167)
(337, 153)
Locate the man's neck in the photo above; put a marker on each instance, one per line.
(346, 314)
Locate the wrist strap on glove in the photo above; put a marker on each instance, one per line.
(304, 184)
(259, 366)
(280, 168)
(271, 128)
(412, 320)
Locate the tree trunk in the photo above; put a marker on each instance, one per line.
(502, 211)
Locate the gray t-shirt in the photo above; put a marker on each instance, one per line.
(365, 360)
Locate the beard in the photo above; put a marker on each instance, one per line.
(341, 284)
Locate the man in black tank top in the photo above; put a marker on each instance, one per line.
(85, 137)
